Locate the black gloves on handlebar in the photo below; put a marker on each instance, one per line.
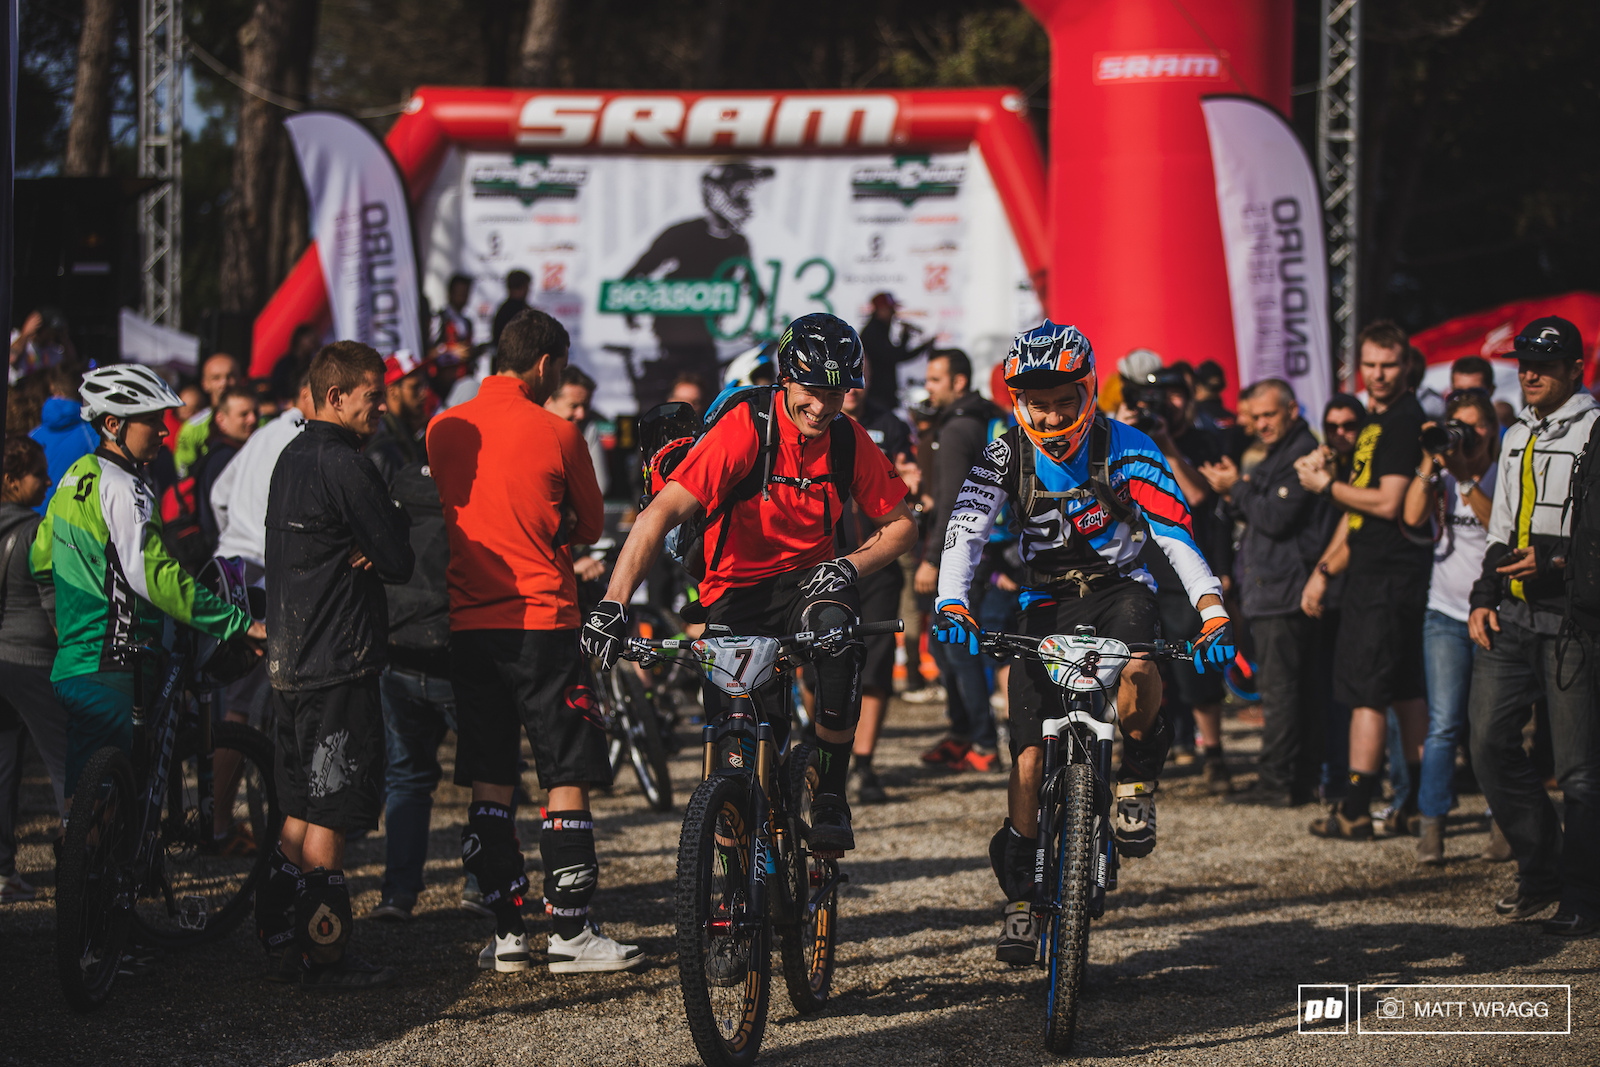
(829, 577)
(603, 632)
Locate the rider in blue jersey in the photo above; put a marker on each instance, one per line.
(1086, 492)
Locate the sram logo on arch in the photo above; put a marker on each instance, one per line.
(744, 121)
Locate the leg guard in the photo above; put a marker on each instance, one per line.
(489, 854)
(275, 903)
(839, 675)
(1142, 760)
(1011, 856)
(322, 917)
(571, 870)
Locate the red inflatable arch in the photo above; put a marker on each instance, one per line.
(695, 124)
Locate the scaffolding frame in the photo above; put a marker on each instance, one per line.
(1339, 167)
(161, 158)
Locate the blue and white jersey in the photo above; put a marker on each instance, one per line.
(1059, 535)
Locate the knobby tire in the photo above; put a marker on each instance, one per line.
(96, 851)
(806, 946)
(647, 747)
(1069, 928)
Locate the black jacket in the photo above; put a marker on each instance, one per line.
(219, 453)
(326, 621)
(419, 610)
(1286, 528)
(960, 434)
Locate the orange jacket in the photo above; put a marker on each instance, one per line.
(506, 468)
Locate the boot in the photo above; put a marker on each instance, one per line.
(1430, 845)
(1499, 850)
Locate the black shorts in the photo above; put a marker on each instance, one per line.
(535, 680)
(1123, 608)
(330, 754)
(774, 607)
(1377, 659)
(1181, 622)
(880, 602)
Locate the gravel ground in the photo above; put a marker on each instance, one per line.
(1197, 960)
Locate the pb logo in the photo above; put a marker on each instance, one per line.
(1323, 1009)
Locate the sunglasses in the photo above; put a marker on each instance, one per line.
(1341, 425)
(1545, 347)
(1457, 394)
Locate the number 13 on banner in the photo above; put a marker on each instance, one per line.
(816, 272)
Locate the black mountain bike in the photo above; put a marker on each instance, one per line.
(637, 734)
(745, 868)
(1076, 863)
(139, 860)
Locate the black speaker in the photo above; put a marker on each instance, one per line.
(77, 251)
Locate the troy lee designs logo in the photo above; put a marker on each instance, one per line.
(1090, 519)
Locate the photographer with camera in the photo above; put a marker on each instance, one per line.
(1453, 489)
(1159, 401)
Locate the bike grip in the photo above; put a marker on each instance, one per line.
(889, 626)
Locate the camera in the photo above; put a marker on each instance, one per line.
(1148, 398)
(1444, 438)
(1391, 1008)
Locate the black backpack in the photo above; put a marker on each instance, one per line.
(686, 544)
(1583, 551)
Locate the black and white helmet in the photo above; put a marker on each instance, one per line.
(124, 389)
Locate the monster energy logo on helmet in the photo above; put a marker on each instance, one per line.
(822, 350)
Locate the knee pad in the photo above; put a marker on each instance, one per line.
(275, 902)
(571, 870)
(1142, 760)
(322, 917)
(489, 853)
(838, 675)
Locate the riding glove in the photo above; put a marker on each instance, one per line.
(1214, 645)
(829, 577)
(954, 625)
(603, 632)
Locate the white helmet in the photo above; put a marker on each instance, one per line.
(124, 389)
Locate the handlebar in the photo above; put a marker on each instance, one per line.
(1027, 644)
(641, 647)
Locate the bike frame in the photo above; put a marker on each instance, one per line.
(1085, 738)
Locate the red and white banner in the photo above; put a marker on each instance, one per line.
(1271, 215)
(362, 223)
(1490, 333)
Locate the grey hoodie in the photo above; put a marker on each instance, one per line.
(27, 627)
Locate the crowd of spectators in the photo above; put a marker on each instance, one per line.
(1393, 563)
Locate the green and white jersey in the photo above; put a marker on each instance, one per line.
(100, 543)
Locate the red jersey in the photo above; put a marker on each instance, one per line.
(785, 533)
(505, 468)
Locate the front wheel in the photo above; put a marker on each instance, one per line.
(1069, 922)
(724, 958)
(94, 882)
(204, 883)
(807, 946)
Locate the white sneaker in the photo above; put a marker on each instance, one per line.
(591, 951)
(507, 954)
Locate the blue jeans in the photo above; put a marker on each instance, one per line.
(967, 690)
(417, 710)
(1447, 656)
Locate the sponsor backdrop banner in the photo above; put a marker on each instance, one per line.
(1271, 216)
(660, 266)
(362, 225)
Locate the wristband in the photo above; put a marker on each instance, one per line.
(1322, 569)
(1465, 488)
(1215, 611)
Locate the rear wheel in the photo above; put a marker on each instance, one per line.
(1069, 926)
(647, 748)
(807, 946)
(204, 884)
(724, 958)
(94, 880)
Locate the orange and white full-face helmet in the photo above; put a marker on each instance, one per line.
(1043, 358)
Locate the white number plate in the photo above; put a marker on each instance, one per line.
(1083, 664)
(738, 665)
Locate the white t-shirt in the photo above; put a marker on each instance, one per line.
(1458, 554)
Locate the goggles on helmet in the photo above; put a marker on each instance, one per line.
(1045, 357)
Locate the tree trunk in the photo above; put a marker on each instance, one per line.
(290, 225)
(89, 135)
(536, 66)
(714, 22)
(494, 27)
(269, 47)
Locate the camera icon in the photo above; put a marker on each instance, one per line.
(1390, 1008)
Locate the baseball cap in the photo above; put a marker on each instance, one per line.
(1139, 365)
(1548, 338)
(728, 173)
(400, 364)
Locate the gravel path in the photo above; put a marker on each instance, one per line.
(1197, 960)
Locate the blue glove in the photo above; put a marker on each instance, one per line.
(953, 624)
(1214, 645)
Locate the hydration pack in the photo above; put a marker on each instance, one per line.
(1583, 551)
(686, 543)
(1099, 489)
